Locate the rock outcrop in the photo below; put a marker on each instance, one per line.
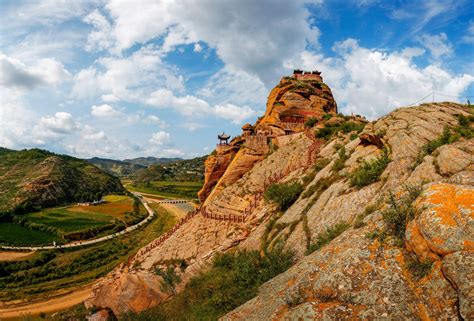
(365, 272)
(290, 104)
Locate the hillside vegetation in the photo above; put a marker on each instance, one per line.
(115, 167)
(34, 179)
(191, 170)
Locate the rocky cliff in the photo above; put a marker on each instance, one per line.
(384, 226)
(290, 104)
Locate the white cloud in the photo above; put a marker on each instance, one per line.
(257, 41)
(105, 111)
(438, 45)
(46, 71)
(155, 120)
(99, 38)
(234, 113)
(197, 47)
(56, 126)
(191, 106)
(232, 85)
(127, 78)
(160, 138)
(372, 82)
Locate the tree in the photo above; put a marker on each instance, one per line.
(170, 279)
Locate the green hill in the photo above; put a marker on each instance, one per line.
(147, 161)
(191, 170)
(34, 179)
(116, 167)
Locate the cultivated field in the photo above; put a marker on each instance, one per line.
(47, 272)
(61, 224)
(15, 234)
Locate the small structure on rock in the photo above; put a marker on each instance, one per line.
(223, 139)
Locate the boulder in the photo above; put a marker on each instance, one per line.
(458, 267)
(445, 220)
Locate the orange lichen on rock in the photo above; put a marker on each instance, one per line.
(446, 219)
(417, 244)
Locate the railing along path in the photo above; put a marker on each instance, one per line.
(206, 213)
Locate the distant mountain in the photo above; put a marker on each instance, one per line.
(116, 167)
(147, 161)
(36, 178)
(177, 170)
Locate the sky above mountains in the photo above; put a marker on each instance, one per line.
(121, 79)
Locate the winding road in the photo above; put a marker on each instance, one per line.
(150, 216)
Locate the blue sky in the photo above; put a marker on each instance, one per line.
(121, 79)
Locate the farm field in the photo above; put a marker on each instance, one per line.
(61, 224)
(166, 189)
(78, 218)
(16, 234)
(47, 272)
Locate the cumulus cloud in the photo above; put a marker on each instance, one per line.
(47, 71)
(191, 106)
(105, 111)
(55, 127)
(234, 113)
(245, 34)
(373, 82)
(160, 138)
(126, 78)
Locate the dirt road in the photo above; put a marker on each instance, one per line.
(13, 256)
(54, 305)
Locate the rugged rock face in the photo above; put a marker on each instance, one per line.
(293, 101)
(215, 166)
(356, 275)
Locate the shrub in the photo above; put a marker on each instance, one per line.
(339, 163)
(283, 195)
(464, 128)
(309, 178)
(400, 211)
(327, 236)
(310, 122)
(170, 279)
(345, 127)
(369, 172)
(419, 269)
(321, 163)
(327, 116)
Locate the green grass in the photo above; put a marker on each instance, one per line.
(327, 236)
(369, 172)
(283, 195)
(69, 221)
(232, 280)
(15, 234)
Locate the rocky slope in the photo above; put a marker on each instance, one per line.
(37, 178)
(407, 216)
